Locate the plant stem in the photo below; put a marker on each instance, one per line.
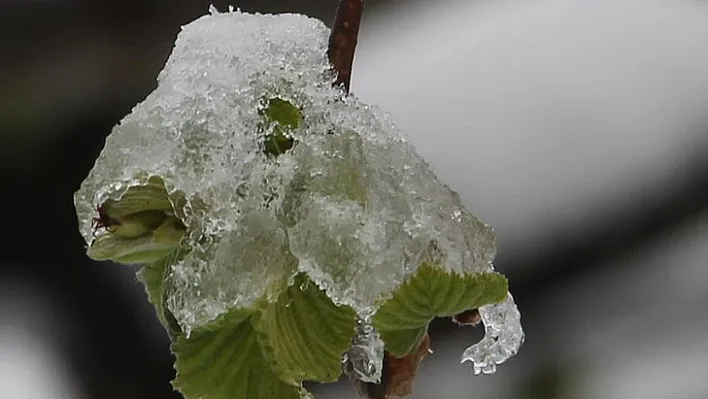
(343, 39)
(470, 317)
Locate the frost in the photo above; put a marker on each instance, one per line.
(348, 201)
(503, 336)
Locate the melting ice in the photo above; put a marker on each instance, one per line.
(502, 337)
(351, 203)
(364, 360)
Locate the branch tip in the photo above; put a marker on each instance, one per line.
(343, 40)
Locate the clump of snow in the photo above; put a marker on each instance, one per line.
(351, 204)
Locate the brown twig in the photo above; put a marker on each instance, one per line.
(469, 317)
(343, 39)
(397, 375)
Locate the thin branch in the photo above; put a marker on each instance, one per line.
(397, 375)
(470, 317)
(343, 39)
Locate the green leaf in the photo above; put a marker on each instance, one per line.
(281, 116)
(277, 143)
(146, 248)
(153, 277)
(141, 226)
(305, 333)
(283, 112)
(267, 351)
(149, 197)
(228, 363)
(433, 292)
(137, 224)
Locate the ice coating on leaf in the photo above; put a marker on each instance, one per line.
(503, 336)
(351, 203)
(213, 290)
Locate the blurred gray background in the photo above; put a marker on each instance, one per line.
(577, 128)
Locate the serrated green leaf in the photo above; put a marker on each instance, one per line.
(305, 334)
(267, 351)
(228, 363)
(433, 292)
